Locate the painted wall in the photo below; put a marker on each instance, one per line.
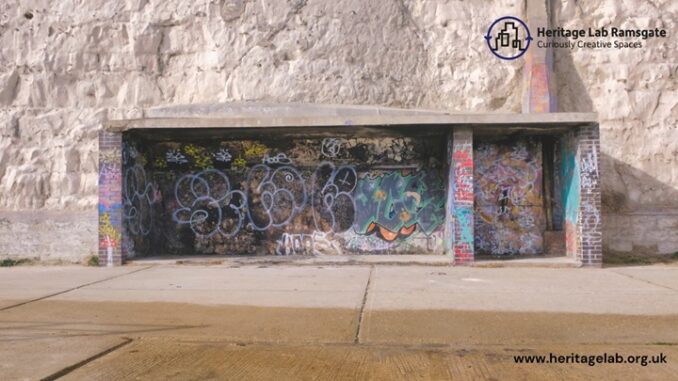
(286, 196)
(508, 189)
(571, 193)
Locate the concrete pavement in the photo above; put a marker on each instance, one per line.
(64, 320)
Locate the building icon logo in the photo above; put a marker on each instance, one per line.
(508, 37)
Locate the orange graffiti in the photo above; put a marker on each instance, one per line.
(388, 235)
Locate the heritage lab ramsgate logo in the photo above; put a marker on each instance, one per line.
(508, 37)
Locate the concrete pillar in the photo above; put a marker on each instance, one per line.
(539, 94)
(461, 204)
(110, 198)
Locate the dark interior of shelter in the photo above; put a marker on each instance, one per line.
(337, 190)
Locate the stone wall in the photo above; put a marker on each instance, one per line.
(68, 66)
(635, 93)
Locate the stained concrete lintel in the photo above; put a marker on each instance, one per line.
(243, 115)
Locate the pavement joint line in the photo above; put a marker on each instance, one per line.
(356, 339)
(72, 289)
(71, 368)
(644, 280)
(387, 345)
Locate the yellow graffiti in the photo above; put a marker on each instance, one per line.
(107, 230)
(254, 149)
(160, 163)
(239, 163)
(199, 155)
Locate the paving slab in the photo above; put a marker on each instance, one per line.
(171, 360)
(23, 283)
(276, 286)
(34, 358)
(663, 275)
(155, 319)
(453, 327)
(521, 289)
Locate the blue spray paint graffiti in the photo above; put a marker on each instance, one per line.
(394, 205)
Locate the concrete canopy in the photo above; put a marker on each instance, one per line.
(259, 114)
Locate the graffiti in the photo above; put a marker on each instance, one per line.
(222, 155)
(332, 200)
(462, 158)
(208, 205)
(280, 158)
(317, 243)
(109, 235)
(330, 147)
(110, 155)
(463, 251)
(239, 163)
(265, 199)
(138, 198)
(589, 171)
(274, 197)
(199, 156)
(590, 213)
(508, 197)
(395, 205)
(570, 195)
(129, 153)
(254, 149)
(109, 172)
(504, 199)
(463, 175)
(176, 157)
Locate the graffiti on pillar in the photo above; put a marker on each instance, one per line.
(393, 205)
(462, 159)
(463, 173)
(109, 235)
(570, 194)
(509, 215)
(590, 213)
(589, 172)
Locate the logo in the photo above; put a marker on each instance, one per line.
(508, 37)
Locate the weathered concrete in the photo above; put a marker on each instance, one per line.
(622, 291)
(171, 360)
(31, 353)
(275, 286)
(522, 289)
(48, 236)
(25, 283)
(311, 115)
(190, 320)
